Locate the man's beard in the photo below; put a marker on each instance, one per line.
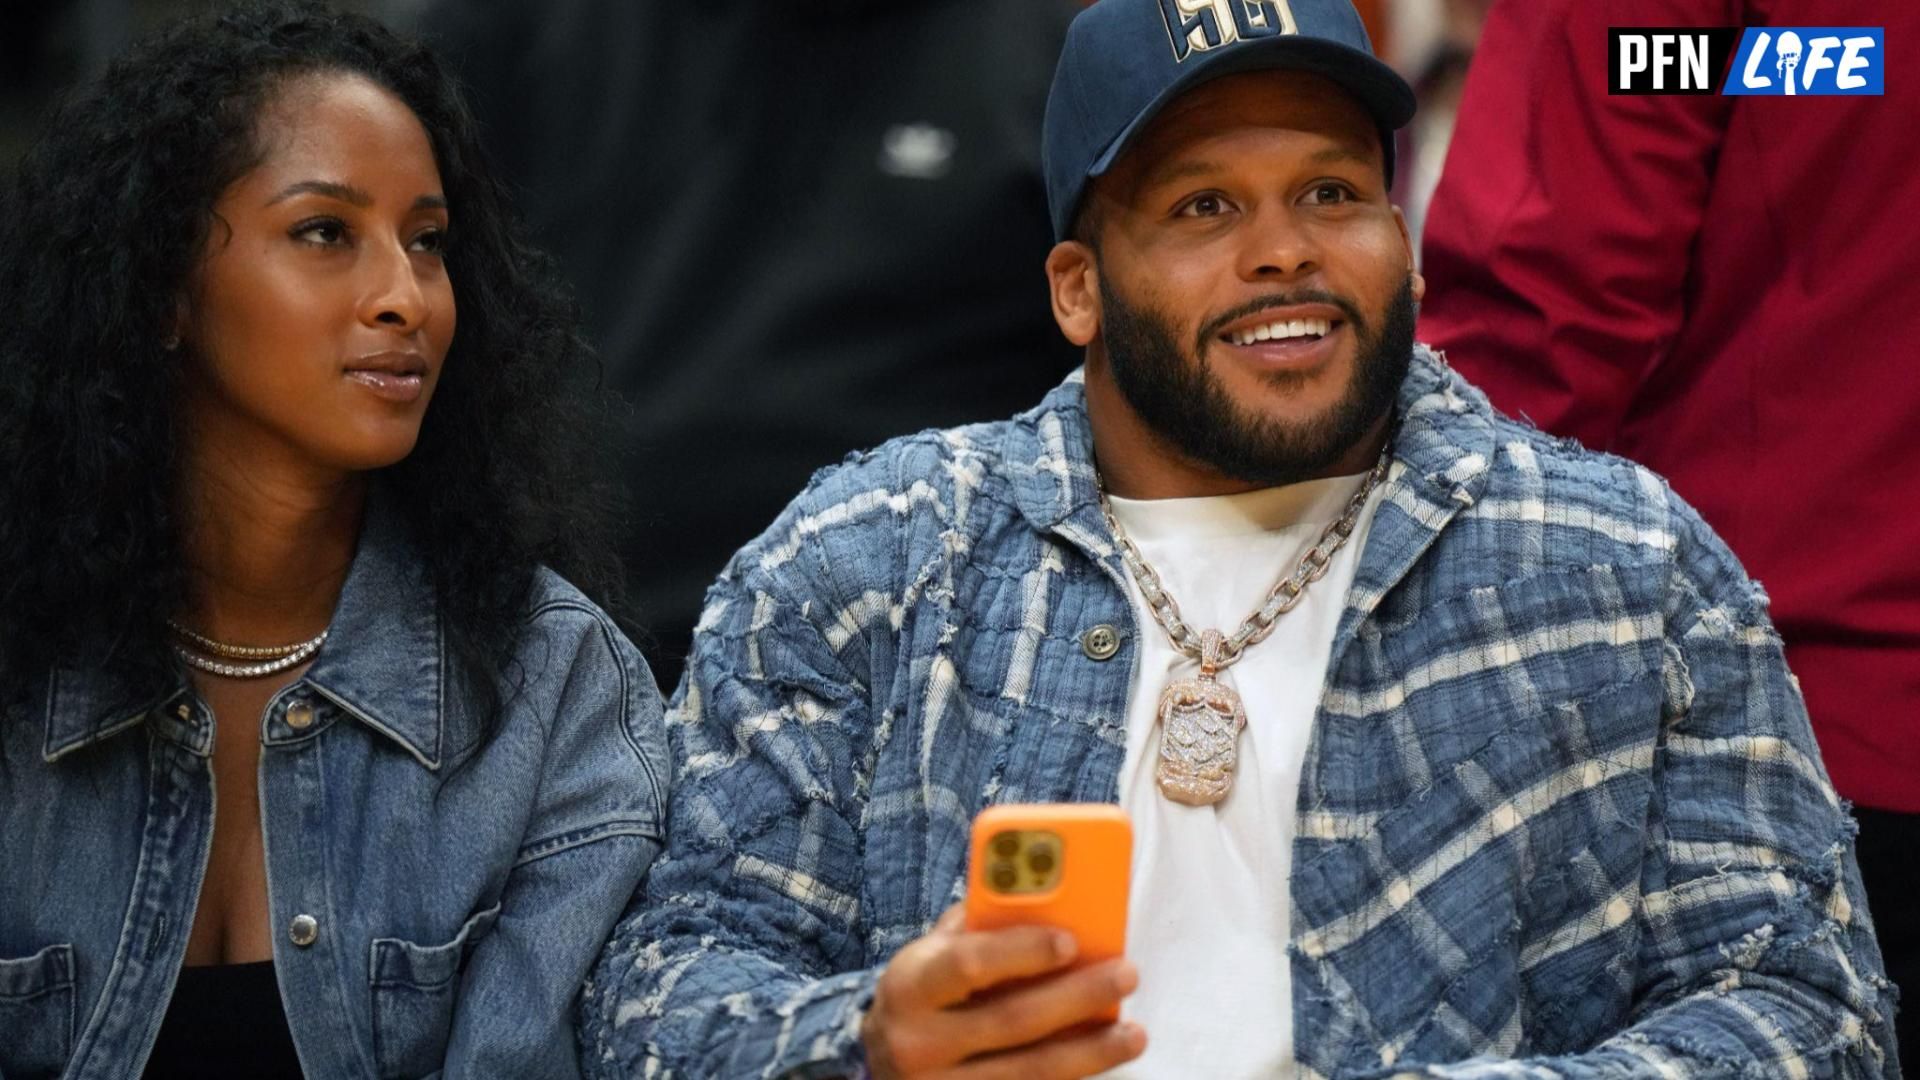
(1185, 403)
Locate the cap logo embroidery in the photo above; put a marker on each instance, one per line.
(1199, 25)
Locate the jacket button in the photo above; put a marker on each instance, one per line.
(299, 716)
(304, 930)
(1100, 642)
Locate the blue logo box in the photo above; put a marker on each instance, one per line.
(1791, 61)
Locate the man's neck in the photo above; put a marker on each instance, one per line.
(1137, 462)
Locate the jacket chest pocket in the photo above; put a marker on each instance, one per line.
(415, 988)
(36, 1013)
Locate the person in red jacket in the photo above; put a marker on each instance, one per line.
(1723, 289)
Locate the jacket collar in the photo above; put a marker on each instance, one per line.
(383, 663)
(1441, 456)
(85, 707)
(1050, 462)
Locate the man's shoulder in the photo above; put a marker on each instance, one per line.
(1507, 471)
(1596, 507)
(939, 459)
(944, 471)
(912, 497)
(1528, 461)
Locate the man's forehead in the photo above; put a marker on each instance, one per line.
(1329, 123)
(1198, 166)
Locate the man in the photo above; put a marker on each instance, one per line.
(1523, 786)
(1741, 319)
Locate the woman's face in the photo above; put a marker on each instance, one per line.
(322, 313)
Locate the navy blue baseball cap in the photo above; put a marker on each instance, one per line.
(1125, 60)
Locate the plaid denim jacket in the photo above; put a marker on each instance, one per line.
(1561, 816)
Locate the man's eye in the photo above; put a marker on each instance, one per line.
(1204, 206)
(1329, 194)
(325, 232)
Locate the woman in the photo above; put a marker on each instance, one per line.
(310, 750)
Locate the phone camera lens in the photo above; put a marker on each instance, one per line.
(1003, 876)
(1040, 862)
(1006, 845)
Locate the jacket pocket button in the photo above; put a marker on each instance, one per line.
(299, 716)
(304, 930)
(1100, 642)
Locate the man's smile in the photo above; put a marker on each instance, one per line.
(1291, 337)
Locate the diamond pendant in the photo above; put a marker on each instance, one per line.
(1200, 721)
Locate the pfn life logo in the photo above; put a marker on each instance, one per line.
(1789, 61)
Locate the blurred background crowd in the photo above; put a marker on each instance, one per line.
(48, 44)
(796, 228)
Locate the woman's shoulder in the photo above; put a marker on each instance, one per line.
(572, 652)
(556, 603)
(578, 681)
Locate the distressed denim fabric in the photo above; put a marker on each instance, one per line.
(460, 891)
(1561, 816)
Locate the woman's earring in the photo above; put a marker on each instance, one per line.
(171, 343)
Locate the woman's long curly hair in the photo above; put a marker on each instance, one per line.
(101, 233)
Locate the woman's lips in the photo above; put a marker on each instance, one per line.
(395, 387)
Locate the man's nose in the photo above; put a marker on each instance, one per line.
(1276, 246)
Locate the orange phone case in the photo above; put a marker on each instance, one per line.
(1088, 897)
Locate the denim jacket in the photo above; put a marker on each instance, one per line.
(437, 899)
(1561, 814)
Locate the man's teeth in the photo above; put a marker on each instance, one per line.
(1280, 331)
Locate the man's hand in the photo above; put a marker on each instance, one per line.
(935, 1013)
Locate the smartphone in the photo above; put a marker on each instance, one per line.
(1063, 865)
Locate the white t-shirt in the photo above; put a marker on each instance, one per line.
(1208, 919)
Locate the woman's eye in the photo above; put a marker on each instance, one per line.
(325, 232)
(433, 242)
(1204, 206)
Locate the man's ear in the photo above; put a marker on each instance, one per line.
(1406, 244)
(1074, 278)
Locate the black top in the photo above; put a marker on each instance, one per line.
(225, 1020)
(797, 228)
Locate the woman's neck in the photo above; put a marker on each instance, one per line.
(268, 549)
